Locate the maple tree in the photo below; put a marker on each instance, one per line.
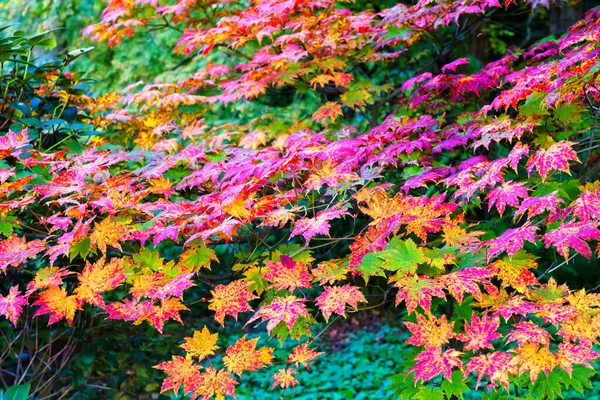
(461, 187)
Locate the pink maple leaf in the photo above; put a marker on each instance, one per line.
(528, 332)
(587, 205)
(465, 281)
(319, 225)
(480, 333)
(335, 298)
(515, 306)
(417, 291)
(571, 353)
(432, 362)
(282, 309)
(15, 250)
(174, 287)
(512, 240)
(573, 235)
(555, 157)
(495, 365)
(509, 193)
(287, 274)
(12, 304)
(455, 64)
(538, 205)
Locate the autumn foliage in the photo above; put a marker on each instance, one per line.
(457, 188)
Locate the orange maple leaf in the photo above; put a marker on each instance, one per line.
(55, 302)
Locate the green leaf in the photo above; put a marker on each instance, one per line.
(81, 248)
(548, 387)
(429, 393)
(18, 392)
(566, 113)
(7, 225)
(199, 257)
(402, 255)
(534, 105)
(580, 378)
(456, 387)
(371, 265)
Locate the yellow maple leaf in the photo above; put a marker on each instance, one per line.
(99, 278)
(202, 344)
(108, 233)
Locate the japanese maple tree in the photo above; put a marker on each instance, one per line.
(314, 151)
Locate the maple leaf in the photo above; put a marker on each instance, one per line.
(332, 174)
(168, 309)
(108, 233)
(455, 64)
(512, 240)
(302, 354)
(12, 304)
(464, 281)
(213, 383)
(281, 309)
(480, 332)
(201, 344)
(15, 250)
(515, 271)
(329, 272)
(570, 353)
(430, 331)
(54, 301)
(515, 305)
(175, 287)
(47, 277)
(497, 366)
(328, 110)
(417, 291)
(230, 299)
(534, 359)
(335, 298)
(573, 235)
(587, 205)
(98, 278)
(284, 378)
(528, 332)
(180, 371)
(243, 356)
(196, 258)
(319, 225)
(509, 193)
(555, 157)
(128, 310)
(287, 274)
(403, 256)
(433, 361)
(538, 205)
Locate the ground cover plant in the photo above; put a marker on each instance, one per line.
(304, 161)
